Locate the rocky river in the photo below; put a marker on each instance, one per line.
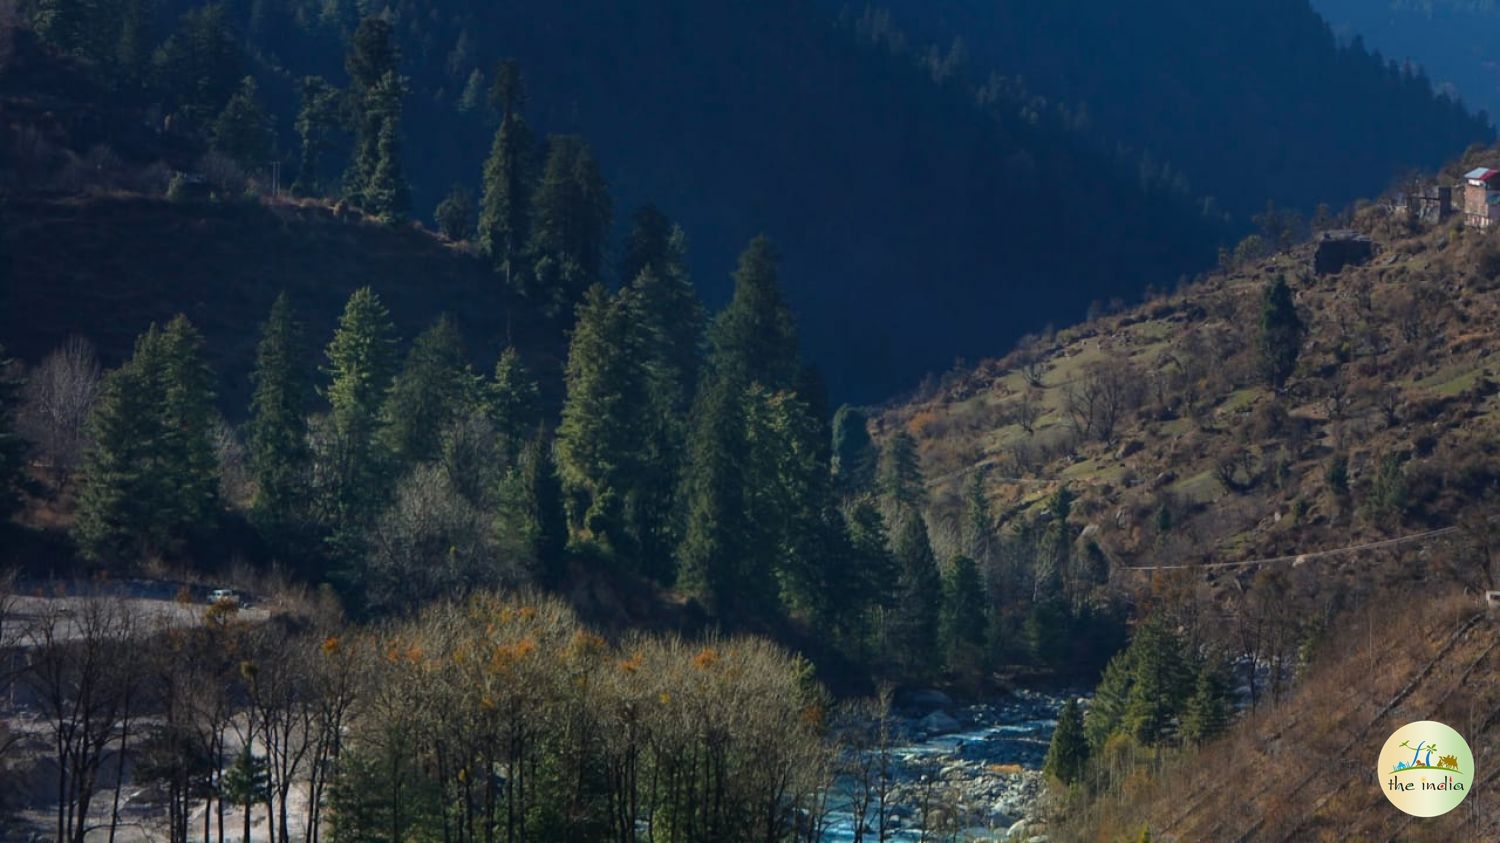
(962, 772)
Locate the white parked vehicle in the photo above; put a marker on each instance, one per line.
(223, 596)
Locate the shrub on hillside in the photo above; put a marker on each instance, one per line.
(1487, 263)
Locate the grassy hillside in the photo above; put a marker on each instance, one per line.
(1396, 367)
(1332, 540)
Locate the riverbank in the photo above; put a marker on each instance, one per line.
(964, 772)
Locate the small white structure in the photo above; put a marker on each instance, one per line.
(1492, 599)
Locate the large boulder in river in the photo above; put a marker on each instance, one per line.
(931, 700)
(939, 723)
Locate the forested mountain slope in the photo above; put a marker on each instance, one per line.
(1174, 449)
(1452, 40)
(1291, 478)
(1250, 100)
(869, 169)
(1058, 156)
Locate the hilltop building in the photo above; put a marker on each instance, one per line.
(1482, 197)
(1432, 204)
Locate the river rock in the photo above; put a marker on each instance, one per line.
(939, 723)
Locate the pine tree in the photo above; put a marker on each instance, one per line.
(712, 554)
(514, 401)
(570, 218)
(386, 194)
(247, 783)
(318, 120)
(978, 528)
(120, 498)
(505, 213)
(667, 307)
(151, 475)
(435, 388)
(1160, 685)
(902, 490)
(1107, 711)
(244, 131)
(532, 518)
(277, 430)
(361, 363)
(455, 214)
(189, 457)
(1281, 333)
(375, 180)
(790, 501)
(372, 53)
(854, 454)
(669, 325)
(963, 619)
(754, 339)
(874, 583)
(599, 439)
(473, 93)
(915, 618)
(1208, 709)
(1068, 754)
(201, 64)
(871, 587)
(12, 447)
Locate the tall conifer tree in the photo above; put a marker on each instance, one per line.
(754, 340)
(669, 325)
(1281, 333)
(317, 121)
(151, 475)
(571, 212)
(532, 517)
(361, 363)
(854, 455)
(187, 391)
(505, 213)
(916, 616)
(277, 431)
(963, 619)
(435, 388)
(514, 401)
(718, 532)
(1068, 754)
(599, 439)
(375, 180)
(902, 489)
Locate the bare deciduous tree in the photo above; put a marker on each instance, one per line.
(1098, 400)
(59, 395)
(1030, 360)
(1027, 409)
(84, 674)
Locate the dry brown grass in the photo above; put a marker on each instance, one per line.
(1304, 769)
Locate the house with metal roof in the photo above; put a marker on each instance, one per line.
(1482, 197)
